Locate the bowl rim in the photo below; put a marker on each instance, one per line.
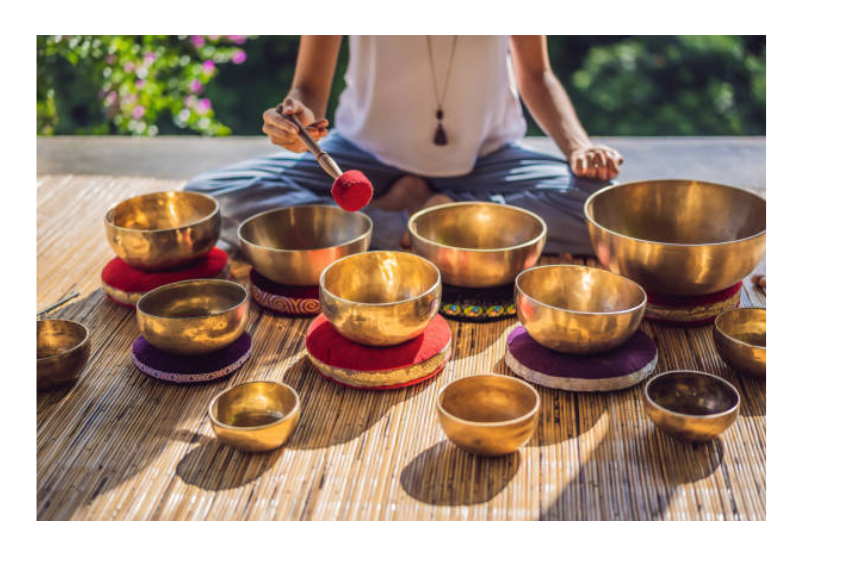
(215, 212)
(296, 408)
(63, 353)
(541, 236)
(436, 285)
(245, 298)
(689, 415)
(642, 304)
(732, 338)
(523, 417)
(358, 238)
(595, 223)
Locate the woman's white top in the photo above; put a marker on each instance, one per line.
(388, 106)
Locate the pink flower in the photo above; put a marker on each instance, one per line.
(110, 98)
(139, 112)
(237, 39)
(198, 41)
(110, 59)
(140, 84)
(150, 58)
(196, 86)
(214, 38)
(208, 66)
(128, 67)
(239, 56)
(203, 106)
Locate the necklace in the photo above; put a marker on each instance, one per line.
(440, 134)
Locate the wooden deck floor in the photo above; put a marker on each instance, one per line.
(120, 445)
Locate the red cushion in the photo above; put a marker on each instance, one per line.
(121, 276)
(690, 301)
(325, 344)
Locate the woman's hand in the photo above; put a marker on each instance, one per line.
(596, 162)
(284, 133)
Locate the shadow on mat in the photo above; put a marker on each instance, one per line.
(332, 414)
(444, 475)
(213, 466)
(647, 474)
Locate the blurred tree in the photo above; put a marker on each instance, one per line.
(621, 85)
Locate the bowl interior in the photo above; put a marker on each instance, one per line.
(477, 226)
(580, 289)
(254, 404)
(380, 277)
(56, 337)
(193, 299)
(162, 211)
(679, 212)
(304, 228)
(747, 325)
(692, 393)
(488, 399)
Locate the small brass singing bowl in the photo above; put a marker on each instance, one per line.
(294, 245)
(193, 316)
(678, 237)
(62, 351)
(163, 230)
(740, 336)
(489, 414)
(256, 416)
(691, 405)
(380, 298)
(578, 309)
(478, 245)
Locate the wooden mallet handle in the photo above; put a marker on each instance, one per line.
(325, 160)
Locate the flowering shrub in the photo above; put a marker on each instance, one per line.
(137, 82)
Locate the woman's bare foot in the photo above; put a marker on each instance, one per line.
(434, 200)
(408, 193)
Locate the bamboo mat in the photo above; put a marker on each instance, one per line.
(120, 445)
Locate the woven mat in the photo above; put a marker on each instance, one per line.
(122, 446)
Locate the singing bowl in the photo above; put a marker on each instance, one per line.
(488, 415)
(193, 316)
(380, 298)
(678, 238)
(691, 405)
(255, 416)
(740, 336)
(62, 351)
(478, 245)
(578, 309)
(294, 245)
(163, 230)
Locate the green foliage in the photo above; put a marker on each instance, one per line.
(620, 85)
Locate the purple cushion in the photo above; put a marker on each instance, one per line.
(191, 369)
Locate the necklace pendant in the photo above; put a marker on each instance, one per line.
(440, 138)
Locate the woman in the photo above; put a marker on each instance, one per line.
(429, 120)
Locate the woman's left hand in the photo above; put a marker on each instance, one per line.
(596, 162)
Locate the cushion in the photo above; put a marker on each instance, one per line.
(691, 310)
(479, 304)
(191, 369)
(286, 300)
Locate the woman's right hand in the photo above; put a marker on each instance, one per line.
(284, 133)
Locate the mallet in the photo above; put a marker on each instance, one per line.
(351, 190)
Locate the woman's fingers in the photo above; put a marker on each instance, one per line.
(272, 117)
(578, 165)
(283, 138)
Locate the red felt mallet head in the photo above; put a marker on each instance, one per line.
(352, 190)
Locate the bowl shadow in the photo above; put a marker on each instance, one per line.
(214, 466)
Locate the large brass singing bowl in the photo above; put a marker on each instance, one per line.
(578, 309)
(193, 316)
(294, 245)
(740, 336)
(478, 245)
(691, 405)
(62, 351)
(255, 416)
(488, 414)
(163, 230)
(380, 298)
(678, 238)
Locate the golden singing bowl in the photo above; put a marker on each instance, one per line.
(478, 245)
(578, 309)
(62, 351)
(294, 245)
(193, 316)
(678, 238)
(163, 230)
(488, 414)
(740, 336)
(255, 416)
(691, 405)
(380, 298)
